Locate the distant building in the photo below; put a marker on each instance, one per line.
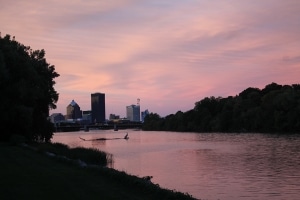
(87, 116)
(98, 107)
(133, 113)
(56, 117)
(73, 111)
(144, 114)
(113, 116)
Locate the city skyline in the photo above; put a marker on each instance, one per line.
(170, 54)
(73, 102)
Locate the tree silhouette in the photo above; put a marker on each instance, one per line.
(27, 91)
(274, 109)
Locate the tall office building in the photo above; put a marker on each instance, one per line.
(73, 111)
(98, 107)
(133, 113)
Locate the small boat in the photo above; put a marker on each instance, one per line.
(115, 127)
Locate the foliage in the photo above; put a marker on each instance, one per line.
(27, 93)
(274, 109)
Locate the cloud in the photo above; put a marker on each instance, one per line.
(169, 54)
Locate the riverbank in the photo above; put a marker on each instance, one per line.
(28, 174)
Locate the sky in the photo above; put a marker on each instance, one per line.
(170, 54)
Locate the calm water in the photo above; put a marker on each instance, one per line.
(208, 166)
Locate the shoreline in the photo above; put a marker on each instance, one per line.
(130, 186)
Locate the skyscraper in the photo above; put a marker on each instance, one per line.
(133, 113)
(98, 107)
(73, 111)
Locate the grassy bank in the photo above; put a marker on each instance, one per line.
(86, 155)
(29, 174)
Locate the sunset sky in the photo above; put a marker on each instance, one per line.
(168, 53)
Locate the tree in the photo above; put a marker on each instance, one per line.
(27, 91)
(152, 122)
(274, 109)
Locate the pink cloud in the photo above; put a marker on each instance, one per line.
(169, 54)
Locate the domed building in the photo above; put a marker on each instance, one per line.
(73, 111)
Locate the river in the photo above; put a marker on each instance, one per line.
(209, 166)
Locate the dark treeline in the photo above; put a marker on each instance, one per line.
(274, 109)
(27, 93)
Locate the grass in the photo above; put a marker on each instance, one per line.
(28, 174)
(87, 155)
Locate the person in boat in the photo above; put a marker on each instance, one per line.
(126, 136)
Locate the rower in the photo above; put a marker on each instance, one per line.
(126, 136)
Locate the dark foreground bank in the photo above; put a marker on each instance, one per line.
(28, 174)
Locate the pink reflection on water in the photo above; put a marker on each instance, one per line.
(207, 166)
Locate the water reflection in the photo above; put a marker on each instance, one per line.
(208, 166)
